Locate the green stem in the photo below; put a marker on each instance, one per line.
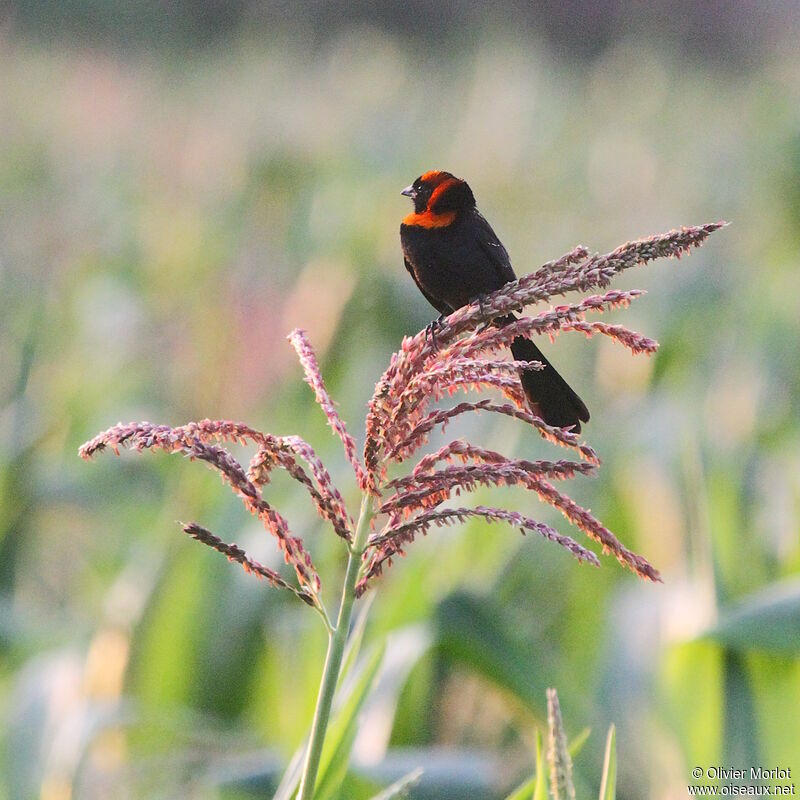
(333, 660)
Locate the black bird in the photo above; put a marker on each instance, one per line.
(455, 257)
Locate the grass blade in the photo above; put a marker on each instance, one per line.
(342, 731)
(576, 745)
(291, 777)
(540, 791)
(608, 786)
(525, 790)
(768, 620)
(400, 788)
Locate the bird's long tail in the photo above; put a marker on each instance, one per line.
(548, 394)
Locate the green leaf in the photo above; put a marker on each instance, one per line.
(608, 786)
(740, 737)
(400, 788)
(356, 637)
(291, 777)
(540, 792)
(775, 686)
(692, 677)
(525, 790)
(537, 783)
(536, 787)
(576, 745)
(342, 731)
(471, 631)
(768, 620)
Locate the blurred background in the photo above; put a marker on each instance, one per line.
(182, 183)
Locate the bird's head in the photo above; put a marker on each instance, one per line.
(439, 192)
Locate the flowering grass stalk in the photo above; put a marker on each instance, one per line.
(465, 356)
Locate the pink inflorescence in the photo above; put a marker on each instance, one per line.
(235, 553)
(466, 355)
(463, 356)
(308, 360)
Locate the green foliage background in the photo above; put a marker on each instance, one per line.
(170, 210)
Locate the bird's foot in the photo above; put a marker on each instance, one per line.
(430, 329)
(481, 298)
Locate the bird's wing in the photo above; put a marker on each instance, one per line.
(494, 250)
(439, 305)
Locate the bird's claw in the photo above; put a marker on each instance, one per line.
(481, 298)
(430, 329)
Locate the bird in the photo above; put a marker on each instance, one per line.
(455, 258)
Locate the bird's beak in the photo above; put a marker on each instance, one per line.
(409, 191)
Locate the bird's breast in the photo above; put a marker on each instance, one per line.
(427, 219)
(447, 263)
